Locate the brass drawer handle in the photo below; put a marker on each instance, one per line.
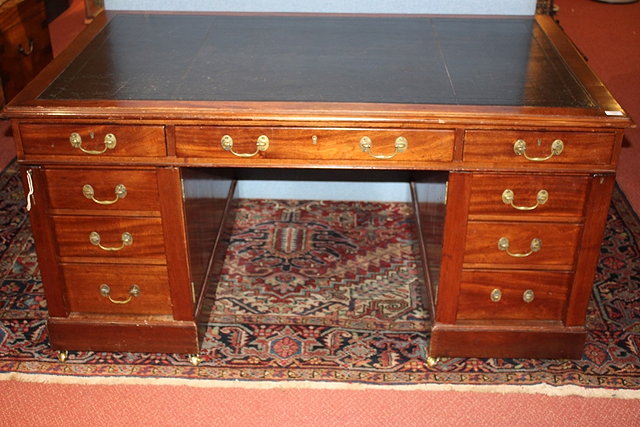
(105, 291)
(127, 240)
(541, 199)
(401, 145)
(28, 51)
(496, 295)
(535, 246)
(520, 148)
(262, 144)
(528, 296)
(89, 193)
(109, 143)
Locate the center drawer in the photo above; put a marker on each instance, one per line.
(241, 143)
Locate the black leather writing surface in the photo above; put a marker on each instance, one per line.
(411, 60)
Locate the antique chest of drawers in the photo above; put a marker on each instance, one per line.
(24, 44)
(131, 142)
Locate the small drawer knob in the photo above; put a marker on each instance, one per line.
(528, 296)
(496, 295)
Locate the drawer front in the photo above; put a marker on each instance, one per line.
(314, 144)
(93, 141)
(110, 237)
(521, 245)
(525, 195)
(513, 295)
(102, 190)
(538, 148)
(130, 289)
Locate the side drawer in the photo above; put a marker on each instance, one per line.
(126, 239)
(517, 196)
(538, 148)
(513, 295)
(102, 190)
(130, 289)
(314, 144)
(521, 245)
(93, 140)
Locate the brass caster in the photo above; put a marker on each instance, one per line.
(63, 355)
(432, 361)
(195, 359)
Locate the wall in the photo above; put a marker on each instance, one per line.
(392, 191)
(485, 7)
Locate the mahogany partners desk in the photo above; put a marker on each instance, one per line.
(130, 142)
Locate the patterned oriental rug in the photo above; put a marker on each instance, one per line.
(324, 292)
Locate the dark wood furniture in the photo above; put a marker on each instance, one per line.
(25, 47)
(130, 142)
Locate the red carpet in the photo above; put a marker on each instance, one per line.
(29, 404)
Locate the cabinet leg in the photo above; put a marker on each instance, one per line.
(432, 361)
(63, 355)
